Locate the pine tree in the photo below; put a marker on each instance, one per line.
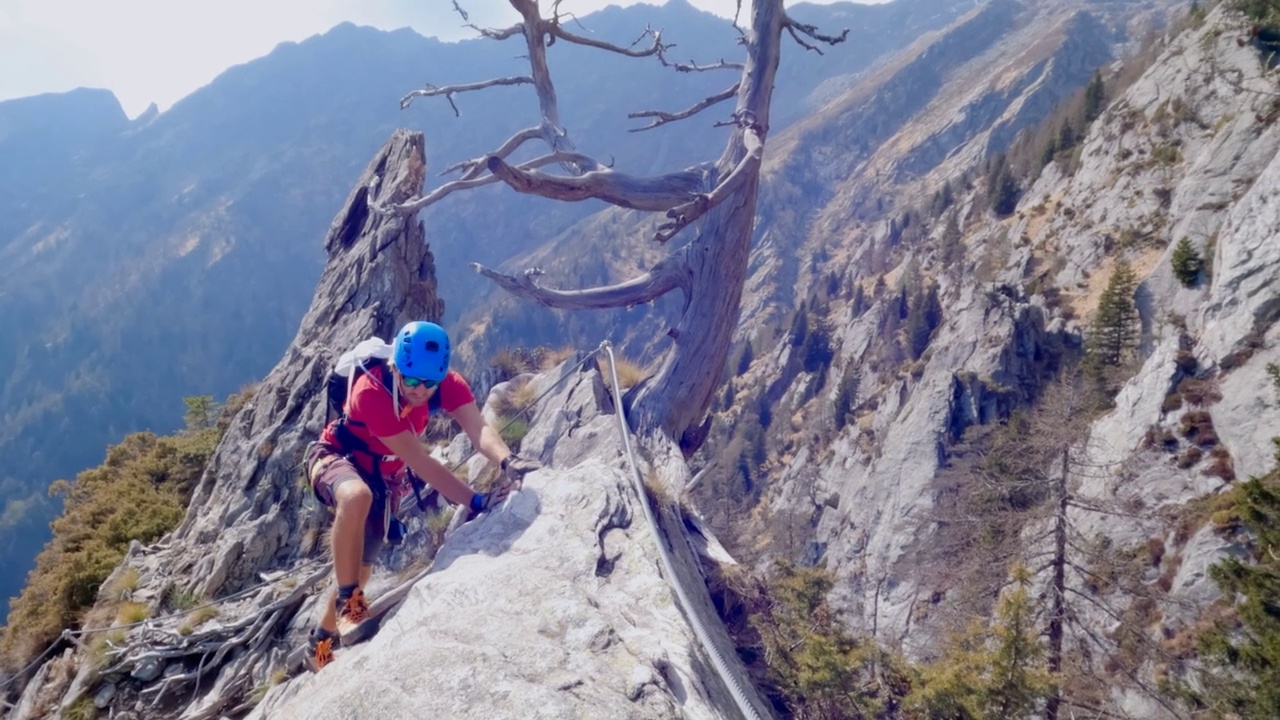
(833, 284)
(1242, 677)
(744, 361)
(1066, 136)
(846, 396)
(951, 250)
(1049, 152)
(859, 300)
(800, 325)
(822, 672)
(1115, 326)
(992, 671)
(902, 303)
(201, 412)
(1186, 262)
(1002, 188)
(1095, 98)
(817, 351)
(923, 317)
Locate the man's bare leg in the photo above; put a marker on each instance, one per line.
(330, 620)
(353, 499)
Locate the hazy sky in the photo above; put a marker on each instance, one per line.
(162, 50)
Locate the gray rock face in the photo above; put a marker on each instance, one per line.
(1129, 196)
(552, 606)
(244, 515)
(992, 342)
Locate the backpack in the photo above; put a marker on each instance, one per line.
(369, 356)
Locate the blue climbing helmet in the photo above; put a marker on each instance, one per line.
(422, 351)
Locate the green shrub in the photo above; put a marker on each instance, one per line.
(1166, 154)
(140, 492)
(818, 669)
(513, 431)
(1266, 12)
(1240, 653)
(82, 709)
(1186, 262)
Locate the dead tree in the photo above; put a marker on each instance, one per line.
(1029, 485)
(718, 200)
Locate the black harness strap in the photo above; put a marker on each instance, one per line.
(349, 444)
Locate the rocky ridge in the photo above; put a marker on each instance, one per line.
(566, 570)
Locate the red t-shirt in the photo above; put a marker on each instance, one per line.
(371, 414)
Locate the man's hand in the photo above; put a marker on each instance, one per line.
(484, 501)
(514, 468)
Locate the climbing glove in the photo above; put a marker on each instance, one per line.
(484, 501)
(514, 468)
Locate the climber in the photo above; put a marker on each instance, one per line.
(358, 466)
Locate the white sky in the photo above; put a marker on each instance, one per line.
(162, 50)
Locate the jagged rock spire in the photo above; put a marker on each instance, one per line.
(244, 515)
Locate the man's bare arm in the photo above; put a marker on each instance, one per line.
(410, 449)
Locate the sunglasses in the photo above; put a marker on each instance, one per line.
(413, 382)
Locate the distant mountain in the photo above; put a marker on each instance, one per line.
(172, 256)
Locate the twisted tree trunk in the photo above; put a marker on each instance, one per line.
(720, 203)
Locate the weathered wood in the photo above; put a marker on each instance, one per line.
(450, 90)
(662, 118)
(721, 198)
(677, 397)
(635, 193)
(664, 277)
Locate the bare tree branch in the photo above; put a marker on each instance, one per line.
(558, 31)
(473, 167)
(661, 279)
(798, 28)
(449, 90)
(1092, 507)
(413, 206)
(662, 192)
(661, 117)
(691, 66)
(684, 215)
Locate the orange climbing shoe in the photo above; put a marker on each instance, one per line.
(319, 650)
(354, 623)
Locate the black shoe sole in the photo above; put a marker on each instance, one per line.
(360, 632)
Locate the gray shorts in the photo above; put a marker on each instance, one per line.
(326, 470)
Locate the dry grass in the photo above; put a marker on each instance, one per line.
(658, 490)
(522, 396)
(199, 616)
(132, 612)
(515, 400)
(1086, 303)
(126, 582)
(511, 362)
(102, 644)
(629, 373)
(552, 357)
